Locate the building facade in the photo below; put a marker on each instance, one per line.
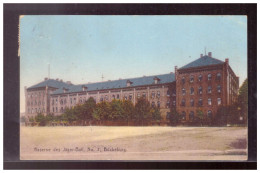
(204, 84)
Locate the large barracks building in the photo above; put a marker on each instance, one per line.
(204, 84)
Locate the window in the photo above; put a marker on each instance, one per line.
(183, 102)
(191, 102)
(80, 100)
(138, 95)
(144, 95)
(183, 80)
(219, 101)
(219, 89)
(56, 109)
(35, 103)
(130, 96)
(28, 110)
(191, 116)
(209, 114)
(52, 101)
(106, 97)
(200, 77)
(209, 101)
(56, 101)
(183, 91)
(70, 100)
(174, 103)
(183, 115)
(209, 77)
(200, 102)
(61, 109)
(158, 104)
(191, 79)
(113, 96)
(65, 101)
(153, 104)
(218, 76)
(39, 103)
(209, 89)
(53, 109)
(125, 97)
(168, 114)
(61, 101)
(191, 90)
(168, 104)
(200, 90)
(153, 94)
(168, 93)
(117, 96)
(158, 94)
(101, 99)
(74, 100)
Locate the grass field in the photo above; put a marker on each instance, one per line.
(133, 143)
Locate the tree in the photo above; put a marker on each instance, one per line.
(174, 116)
(200, 117)
(69, 115)
(243, 100)
(102, 111)
(41, 119)
(85, 111)
(142, 109)
(128, 110)
(155, 114)
(117, 111)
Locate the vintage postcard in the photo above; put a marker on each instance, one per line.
(133, 87)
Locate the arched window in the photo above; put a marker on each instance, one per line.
(200, 77)
(153, 94)
(183, 115)
(153, 104)
(183, 91)
(200, 90)
(209, 114)
(209, 77)
(191, 90)
(191, 102)
(209, 89)
(218, 76)
(183, 80)
(209, 101)
(219, 101)
(200, 102)
(191, 79)
(219, 89)
(191, 116)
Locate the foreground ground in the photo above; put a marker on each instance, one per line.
(133, 143)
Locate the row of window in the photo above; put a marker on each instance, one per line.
(200, 78)
(36, 94)
(200, 90)
(35, 103)
(200, 102)
(36, 110)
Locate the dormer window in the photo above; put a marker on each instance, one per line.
(65, 90)
(128, 83)
(156, 80)
(84, 88)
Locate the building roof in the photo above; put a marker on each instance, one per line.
(121, 83)
(50, 83)
(203, 61)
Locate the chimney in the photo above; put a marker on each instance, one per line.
(68, 82)
(210, 54)
(61, 80)
(57, 79)
(226, 60)
(176, 70)
(45, 78)
(201, 55)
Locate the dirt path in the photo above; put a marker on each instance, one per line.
(134, 143)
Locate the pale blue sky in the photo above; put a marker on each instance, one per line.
(82, 48)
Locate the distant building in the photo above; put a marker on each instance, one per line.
(204, 84)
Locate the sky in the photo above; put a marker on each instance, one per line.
(82, 48)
